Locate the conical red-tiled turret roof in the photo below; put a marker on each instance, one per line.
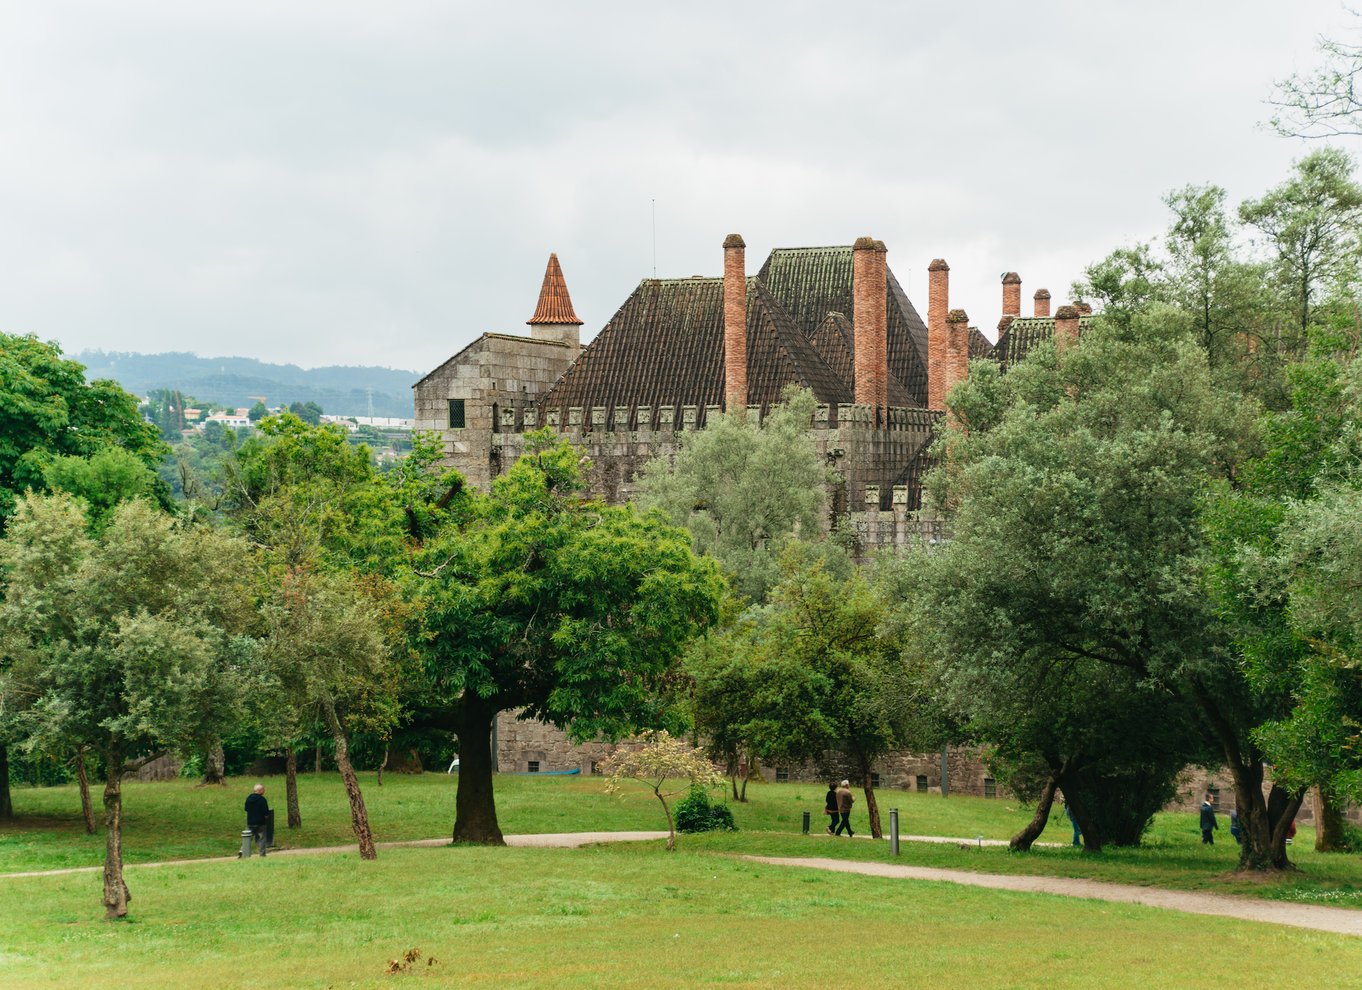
(555, 306)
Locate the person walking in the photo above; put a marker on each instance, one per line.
(257, 816)
(1078, 832)
(1208, 823)
(844, 802)
(830, 807)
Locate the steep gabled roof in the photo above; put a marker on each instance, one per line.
(555, 306)
(835, 341)
(979, 345)
(813, 282)
(916, 469)
(665, 347)
(1023, 333)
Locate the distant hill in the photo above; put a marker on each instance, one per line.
(238, 381)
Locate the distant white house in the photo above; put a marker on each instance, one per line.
(378, 422)
(231, 420)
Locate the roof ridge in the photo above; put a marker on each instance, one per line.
(555, 305)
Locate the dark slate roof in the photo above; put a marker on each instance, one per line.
(813, 282)
(916, 469)
(1022, 334)
(835, 341)
(979, 345)
(664, 346)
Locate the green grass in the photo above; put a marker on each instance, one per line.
(614, 916)
(177, 820)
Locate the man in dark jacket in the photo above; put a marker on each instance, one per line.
(257, 815)
(844, 803)
(1208, 823)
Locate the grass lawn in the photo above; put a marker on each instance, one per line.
(615, 916)
(177, 820)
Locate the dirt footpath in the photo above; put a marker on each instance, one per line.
(1342, 921)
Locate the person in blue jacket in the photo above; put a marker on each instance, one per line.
(1208, 823)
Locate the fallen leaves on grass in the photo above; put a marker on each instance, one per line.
(408, 959)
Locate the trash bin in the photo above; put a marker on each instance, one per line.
(247, 840)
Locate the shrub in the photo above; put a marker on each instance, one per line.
(694, 813)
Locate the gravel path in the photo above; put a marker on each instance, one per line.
(1342, 921)
(541, 840)
(1319, 918)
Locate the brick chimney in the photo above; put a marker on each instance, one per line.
(1083, 308)
(957, 349)
(938, 299)
(1011, 294)
(1066, 326)
(735, 323)
(1042, 302)
(1003, 324)
(868, 317)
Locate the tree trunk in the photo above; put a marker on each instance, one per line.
(6, 804)
(1022, 841)
(1264, 822)
(383, 763)
(1330, 835)
(1073, 796)
(872, 806)
(84, 778)
(733, 780)
(742, 795)
(295, 817)
(359, 817)
(318, 767)
(214, 766)
(116, 895)
(475, 809)
(671, 828)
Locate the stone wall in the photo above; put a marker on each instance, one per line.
(499, 378)
(867, 456)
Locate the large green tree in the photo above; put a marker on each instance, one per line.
(1075, 484)
(51, 411)
(332, 529)
(745, 490)
(1309, 224)
(814, 676)
(330, 645)
(126, 642)
(546, 601)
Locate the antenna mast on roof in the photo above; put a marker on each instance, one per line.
(654, 238)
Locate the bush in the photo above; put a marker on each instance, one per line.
(694, 813)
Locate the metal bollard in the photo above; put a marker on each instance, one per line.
(806, 823)
(894, 831)
(246, 843)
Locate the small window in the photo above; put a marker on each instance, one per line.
(922, 782)
(533, 766)
(782, 775)
(595, 768)
(456, 420)
(874, 780)
(990, 787)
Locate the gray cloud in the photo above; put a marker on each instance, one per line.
(327, 182)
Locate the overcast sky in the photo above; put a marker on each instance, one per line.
(338, 182)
